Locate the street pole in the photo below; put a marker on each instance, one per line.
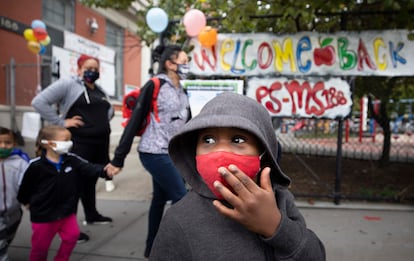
(337, 191)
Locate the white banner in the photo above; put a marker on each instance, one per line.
(82, 45)
(31, 125)
(201, 91)
(308, 98)
(68, 67)
(382, 53)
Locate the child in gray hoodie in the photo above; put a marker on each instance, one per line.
(13, 163)
(239, 207)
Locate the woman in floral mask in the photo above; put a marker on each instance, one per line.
(173, 112)
(239, 207)
(85, 110)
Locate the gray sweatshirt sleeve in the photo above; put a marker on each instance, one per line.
(44, 102)
(172, 243)
(293, 240)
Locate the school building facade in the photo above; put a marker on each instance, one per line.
(73, 29)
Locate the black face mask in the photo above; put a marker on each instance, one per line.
(90, 76)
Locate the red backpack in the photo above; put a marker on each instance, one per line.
(136, 102)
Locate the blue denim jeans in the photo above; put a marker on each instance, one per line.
(167, 184)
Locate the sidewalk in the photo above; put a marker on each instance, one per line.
(350, 231)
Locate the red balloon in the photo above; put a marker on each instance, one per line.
(40, 33)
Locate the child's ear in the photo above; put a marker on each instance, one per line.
(18, 138)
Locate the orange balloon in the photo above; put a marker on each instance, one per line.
(34, 47)
(208, 36)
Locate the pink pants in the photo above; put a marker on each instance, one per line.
(43, 234)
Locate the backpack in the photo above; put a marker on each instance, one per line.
(141, 102)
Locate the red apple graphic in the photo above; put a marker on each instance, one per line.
(325, 54)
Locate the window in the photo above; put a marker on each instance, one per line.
(115, 40)
(59, 13)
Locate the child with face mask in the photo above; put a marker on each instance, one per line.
(13, 163)
(50, 188)
(85, 110)
(239, 207)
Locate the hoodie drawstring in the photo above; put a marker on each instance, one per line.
(85, 93)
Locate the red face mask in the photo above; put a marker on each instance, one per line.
(208, 164)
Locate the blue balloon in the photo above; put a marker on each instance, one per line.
(157, 19)
(42, 50)
(38, 23)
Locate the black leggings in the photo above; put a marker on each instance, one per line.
(94, 153)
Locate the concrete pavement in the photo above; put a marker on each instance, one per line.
(350, 231)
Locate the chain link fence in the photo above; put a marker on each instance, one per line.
(302, 138)
(320, 137)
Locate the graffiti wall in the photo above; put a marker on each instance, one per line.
(382, 53)
(302, 98)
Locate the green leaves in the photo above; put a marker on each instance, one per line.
(277, 16)
(116, 4)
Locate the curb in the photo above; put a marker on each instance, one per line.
(355, 206)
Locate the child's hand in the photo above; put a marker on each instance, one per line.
(111, 170)
(254, 207)
(27, 206)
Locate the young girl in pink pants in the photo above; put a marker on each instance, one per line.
(49, 190)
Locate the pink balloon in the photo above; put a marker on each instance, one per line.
(194, 20)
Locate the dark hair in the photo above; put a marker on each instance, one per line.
(47, 133)
(6, 131)
(161, 54)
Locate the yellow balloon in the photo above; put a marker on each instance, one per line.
(28, 34)
(33, 46)
(46, 41)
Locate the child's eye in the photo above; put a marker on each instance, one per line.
(239, 139)
(209, 139)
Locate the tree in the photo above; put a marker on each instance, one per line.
(288, 16)
(277, 16)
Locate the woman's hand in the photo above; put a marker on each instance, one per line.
(111, 170)
(75, 121)
(254, 207)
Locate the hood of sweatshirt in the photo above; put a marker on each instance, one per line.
(226, 110)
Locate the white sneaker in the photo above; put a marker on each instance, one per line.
(109, 186)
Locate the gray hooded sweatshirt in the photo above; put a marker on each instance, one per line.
(64, 92)
(192, 229)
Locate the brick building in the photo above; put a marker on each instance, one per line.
(73, 29)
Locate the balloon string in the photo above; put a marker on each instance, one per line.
(38, 87)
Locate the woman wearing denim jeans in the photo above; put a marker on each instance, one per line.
(173, 113)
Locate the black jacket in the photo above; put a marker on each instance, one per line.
(53, 194)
